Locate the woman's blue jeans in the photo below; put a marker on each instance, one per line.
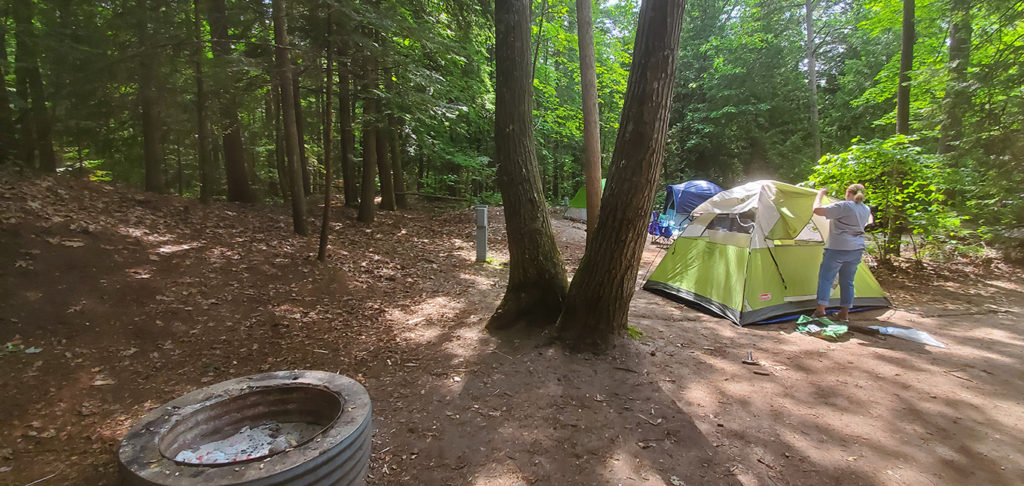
(844, 263)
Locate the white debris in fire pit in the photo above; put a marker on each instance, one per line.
(250, 443)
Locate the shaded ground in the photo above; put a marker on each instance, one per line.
(135, 299)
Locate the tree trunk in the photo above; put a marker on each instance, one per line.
(540, 37)
(348, 139)
(384, 174)
(591, 117)
(345, 127)
(958, 94)
(812, 76)
(894, 238)
(291, 136)
(396, 162)
(180, 175)
(906, 65)
(321, 254)
(536, 281)
(597, 305)
(280, 158)
(34, 118)
(149, 102)
(206, 169)
(300, 127)
(369, 183)
(239, 188)
(6, 122)
(395, 149)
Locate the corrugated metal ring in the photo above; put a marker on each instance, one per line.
(338, 455)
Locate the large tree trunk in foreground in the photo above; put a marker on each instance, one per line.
(591, 119)
(239, 188)
(536, 280)
(958, 94)
(291, 135)
(597, 306)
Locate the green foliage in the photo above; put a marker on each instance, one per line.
(740, 102)
(634, 333)
(907, 186)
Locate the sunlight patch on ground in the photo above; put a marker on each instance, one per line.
(506, 473)
(466, 342)
(222, 254)
(624, 465)
(143, 234)
(168, 249)
(478, 280)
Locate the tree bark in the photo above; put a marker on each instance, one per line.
(291, 136)
(280, 159)
(897, 226)
(536, 282)
(395, 126)
(958, 95)
(369, 183)
(206, 169)
(812, 76)
(384, 169)
(321, 254)
(395, 149)
(149, 103)
(348, 139)
(906, 65)
(34, 118)
(591, 116)
(384, 174)
(6, 122)
(239, 186)
(597, 305)
(300, 127)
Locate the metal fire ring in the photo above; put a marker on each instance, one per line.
(338, 455)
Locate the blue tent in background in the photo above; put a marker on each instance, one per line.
(680, 199)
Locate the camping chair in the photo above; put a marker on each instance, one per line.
(662, 226)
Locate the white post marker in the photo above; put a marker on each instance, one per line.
(481, 233)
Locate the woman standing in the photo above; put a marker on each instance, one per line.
(843, 249)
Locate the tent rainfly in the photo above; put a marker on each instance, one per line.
(578, 205)
(751, 255)
(681, 199)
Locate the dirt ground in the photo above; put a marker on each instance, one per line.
(113, 302)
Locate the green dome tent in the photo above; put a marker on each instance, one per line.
(578, 205)
(751, 255)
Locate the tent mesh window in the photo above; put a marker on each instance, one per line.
(733, 223)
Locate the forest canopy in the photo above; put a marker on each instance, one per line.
(185, 97)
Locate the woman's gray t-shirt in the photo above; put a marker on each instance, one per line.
(846, 220)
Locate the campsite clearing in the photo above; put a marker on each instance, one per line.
(124, 307)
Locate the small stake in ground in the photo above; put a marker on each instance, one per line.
(750, 359)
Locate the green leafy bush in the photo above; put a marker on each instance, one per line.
(908, 187)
